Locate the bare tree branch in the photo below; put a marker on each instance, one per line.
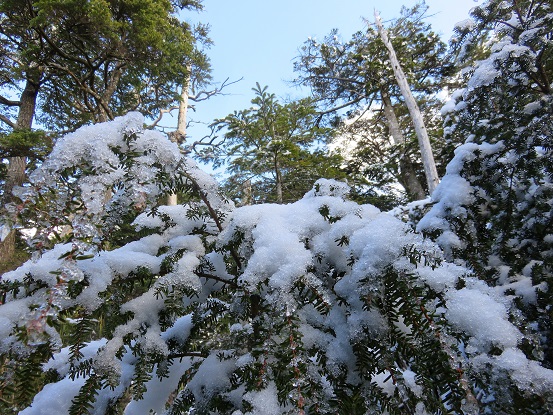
(161, 114)
(5, 101)
(211, 137)
(200, 96)
(216, 278)
(187, 354)
(203, 95)
(339, 107)
(6, 120)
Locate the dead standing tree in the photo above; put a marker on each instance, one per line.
(179, 135)
(429, 164)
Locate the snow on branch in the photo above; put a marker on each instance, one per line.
(258, 309)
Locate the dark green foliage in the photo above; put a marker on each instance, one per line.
(82, 404)
(273, 151)
(25, 143)
(20, 382)
(415, 333)
(504, 223)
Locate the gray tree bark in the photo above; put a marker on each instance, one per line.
(15, 175)
(180, 133)
(408, 177)
(430, 170)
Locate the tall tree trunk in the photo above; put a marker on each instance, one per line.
(183, 112)
(278, 177)
(430, 171)
(15, 175)
(408, 177)
(102, 102)
(246, 193)
(180, 133)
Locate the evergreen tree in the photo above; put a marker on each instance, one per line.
(493, 210)
(356, 75)
(22, 74)
(319, 306)
(79, 62)
(272, 148)
(112, 57)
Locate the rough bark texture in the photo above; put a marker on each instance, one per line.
(408, 176)
(7, 249)
(15, 175)
(247, 193)
(430, 170)
(103, 100)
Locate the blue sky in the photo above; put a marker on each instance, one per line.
(257, 40)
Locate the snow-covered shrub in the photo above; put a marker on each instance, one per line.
(493, 211)
(102, 176)
(320, 306)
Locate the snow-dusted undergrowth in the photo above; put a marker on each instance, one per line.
(268, 309)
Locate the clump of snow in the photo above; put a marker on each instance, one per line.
(452, 103)
(532, 107)
(479, 315)
(385, 382)
(465, 25)
(158, 391)
(410, 380)
(325, 187)
(453, 195)
(97, 147)
(264, 402)
(55, 398)
(211, 377)
(529, 375)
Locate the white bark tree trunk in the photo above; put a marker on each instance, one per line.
(247, 193)
(430, 171)
(183, 109)
(180, 133)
